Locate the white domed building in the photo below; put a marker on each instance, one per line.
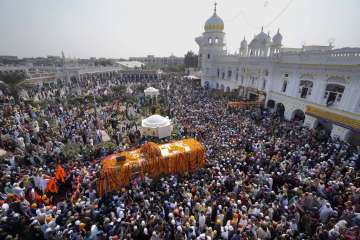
(260, 45)
(151, 92)
(316, 84)
(157, 126)
(212, 42)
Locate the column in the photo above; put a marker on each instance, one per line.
(309, 121)
(288, 113)
(318, 91)
(339, 132)
(293, 84)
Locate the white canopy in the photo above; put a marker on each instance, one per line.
(150, 91)
(156, 121)
(157, 126)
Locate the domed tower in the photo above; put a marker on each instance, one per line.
(260, 45)
(211, 43)
(243, 48)
(277, 43)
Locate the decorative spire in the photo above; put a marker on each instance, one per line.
(215, 4)
(262, 28)
(278, 30)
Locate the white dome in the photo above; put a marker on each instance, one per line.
(156, 121)
(277, 39)
(261, 38)
(151, 89)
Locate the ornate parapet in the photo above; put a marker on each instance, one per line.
(338, 57)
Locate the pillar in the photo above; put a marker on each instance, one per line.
(309, 121)
(288, 113)
(339, 132)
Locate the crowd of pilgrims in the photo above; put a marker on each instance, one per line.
(265, 178)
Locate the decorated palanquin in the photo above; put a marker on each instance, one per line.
(150, 160)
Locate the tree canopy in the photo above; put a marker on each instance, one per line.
(10, 81)
(191, 60)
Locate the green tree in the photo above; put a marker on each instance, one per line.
(191, 60)
(12, 82)
(103, 62)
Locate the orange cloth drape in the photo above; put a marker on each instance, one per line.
(76, 193)
(60, 173)
(37, 197)
(52, 185)
(152, 159)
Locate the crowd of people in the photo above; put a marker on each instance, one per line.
(264, 179)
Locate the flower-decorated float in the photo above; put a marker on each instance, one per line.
(151, 159)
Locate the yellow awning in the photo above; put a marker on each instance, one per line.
(338, 119)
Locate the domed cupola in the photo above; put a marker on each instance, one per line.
(262, 37)
(277, 39)
(244, 43)
(214, 23)
(243, 47)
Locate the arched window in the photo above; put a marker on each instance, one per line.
(216, 40)
(333, 93)
(210, 40)
(229, 74)
(218, 73)
(305, 88)
(223, 75)
(208, 56)
(284, 86)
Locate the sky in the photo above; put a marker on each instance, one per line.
(130, 28)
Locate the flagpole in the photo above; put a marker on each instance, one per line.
(94, 99)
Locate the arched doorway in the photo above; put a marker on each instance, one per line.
(227, 89)
(353, 138)
(217, 85)
(207, 84)
(323, 129)
(298, 115)
(271, 104)
(280, 109)
(222, 87)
